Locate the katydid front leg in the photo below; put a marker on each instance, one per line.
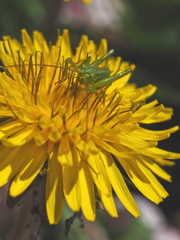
(73, 65)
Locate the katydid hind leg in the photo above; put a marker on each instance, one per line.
(110, 80)
(103, 58)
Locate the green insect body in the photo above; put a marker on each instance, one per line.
(94, 77)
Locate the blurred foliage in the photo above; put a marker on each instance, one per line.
(104, 228)
(153, 25)
(153, 31)
(15, 15)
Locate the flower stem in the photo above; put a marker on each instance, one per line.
(29, 219)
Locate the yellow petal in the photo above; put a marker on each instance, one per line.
(54, 189)
(64, 152)
(151, 135)
(163, 162)
(109, 204)
(98, 171)
(155, 168)
(119, 184)
(111, 149)
(99, 175)
(85, 148)
(10, 128)
(64, 42)
(27, 42)
(12, 160)
(28, 172)
(39, 42)
(22, 136)
(71, 182)
(133, 142)
(158, 188)
(157, 152)
(87, 192)
(145, 184)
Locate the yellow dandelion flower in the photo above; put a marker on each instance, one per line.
(83, 132)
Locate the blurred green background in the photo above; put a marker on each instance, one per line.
(146, 33)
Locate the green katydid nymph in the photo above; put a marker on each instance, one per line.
(89, 75)
(94, 77)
